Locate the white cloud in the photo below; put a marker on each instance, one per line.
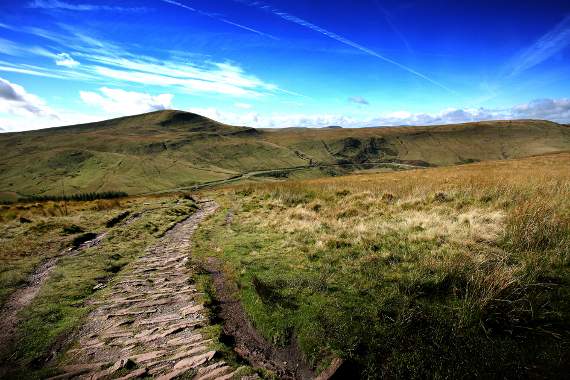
(557, 110)
(243, 106)
(56, 4)
(551, 109)
(359, 100)
(18, 123)
(22, 110)
(121, 102)
(102, 61)
(254, 119)
(64, 59)
(15, 100)
(447, 116)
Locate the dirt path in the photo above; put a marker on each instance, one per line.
(148, 323)
(23, 296)
(248, 175)
(286, 362)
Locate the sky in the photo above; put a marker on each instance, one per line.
(278, 63)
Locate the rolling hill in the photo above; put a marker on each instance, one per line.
(173, 149)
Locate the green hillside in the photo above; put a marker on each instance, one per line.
(170, 149)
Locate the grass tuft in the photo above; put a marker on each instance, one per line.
(537, 225)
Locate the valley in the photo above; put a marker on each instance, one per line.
(168, 150)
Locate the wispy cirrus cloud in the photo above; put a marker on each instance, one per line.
(24, 69)
(306, 24)
(550, 44)
(62, 5)
(219, 18)
(187, 81)
(17, 50)
(388, 17)
(106, 62)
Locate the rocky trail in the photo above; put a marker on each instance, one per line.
(148, 324)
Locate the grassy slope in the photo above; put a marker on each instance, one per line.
(443, 145)
(169, 149)
(447, 272)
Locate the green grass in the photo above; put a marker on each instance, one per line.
(444, 273)
(33, 233)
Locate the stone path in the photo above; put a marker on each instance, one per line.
(149, 323)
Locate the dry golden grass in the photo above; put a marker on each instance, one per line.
(525, 202)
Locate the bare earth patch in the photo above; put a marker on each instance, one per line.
(286, 362)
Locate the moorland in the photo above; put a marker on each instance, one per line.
(407, 252)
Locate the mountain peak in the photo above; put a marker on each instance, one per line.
(177, 118)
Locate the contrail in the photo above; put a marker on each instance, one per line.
(341, 39)
(550, 44)
(216, 17)
(388, 18)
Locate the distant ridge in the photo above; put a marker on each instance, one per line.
(166, 118)
(171, 149)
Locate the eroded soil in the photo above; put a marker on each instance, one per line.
(286, 362)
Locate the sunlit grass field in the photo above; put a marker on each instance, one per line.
(448, 272)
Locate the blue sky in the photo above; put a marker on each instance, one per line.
(277, 63)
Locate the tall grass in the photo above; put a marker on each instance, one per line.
(538, 225)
